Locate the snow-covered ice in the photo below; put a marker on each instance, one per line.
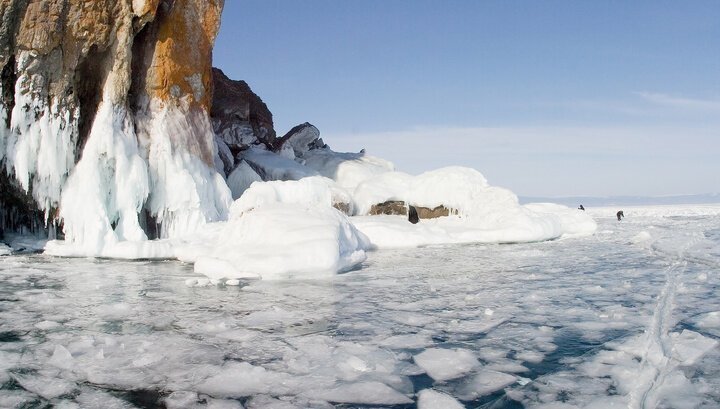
(596, 321)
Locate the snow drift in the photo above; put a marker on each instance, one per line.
(285, 229)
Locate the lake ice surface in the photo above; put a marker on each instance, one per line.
(626, 318)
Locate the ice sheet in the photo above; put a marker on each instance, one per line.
(596, 321)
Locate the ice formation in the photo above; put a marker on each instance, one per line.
(295, 223)
(40, 144)
(187, 193)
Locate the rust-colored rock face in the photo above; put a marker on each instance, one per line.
(149, 61)
(182, 51)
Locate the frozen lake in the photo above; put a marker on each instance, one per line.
(626, 318)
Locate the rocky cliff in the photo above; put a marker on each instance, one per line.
(105, 111)
(240, 119)
(115, 128)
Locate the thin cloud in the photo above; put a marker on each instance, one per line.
(537, 140)
(681, 102)
(543, 160)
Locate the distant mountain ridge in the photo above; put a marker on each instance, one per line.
(625, 200)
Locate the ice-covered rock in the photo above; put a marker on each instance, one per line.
(272, 166)
(301, 139)
(241, 178)
(239, 117)
(108, 119)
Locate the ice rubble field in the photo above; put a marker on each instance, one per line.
(626, 318)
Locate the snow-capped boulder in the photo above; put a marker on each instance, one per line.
(301, 139)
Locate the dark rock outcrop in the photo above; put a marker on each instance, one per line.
(239, 117)
(391, 207)
(241, 120)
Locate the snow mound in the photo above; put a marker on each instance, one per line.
(572, 222)
(347, 169)
(272, 166)
(282, 230)
(310, 191)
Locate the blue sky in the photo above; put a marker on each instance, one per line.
(547, 98)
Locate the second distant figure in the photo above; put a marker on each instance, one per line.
(620, 215)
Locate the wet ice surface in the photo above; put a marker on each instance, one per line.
(629, 317)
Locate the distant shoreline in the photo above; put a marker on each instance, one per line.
(586, 201)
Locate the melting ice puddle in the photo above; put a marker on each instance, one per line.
(569, 320)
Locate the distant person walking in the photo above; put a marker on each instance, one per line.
(620, 215)
(581, 208)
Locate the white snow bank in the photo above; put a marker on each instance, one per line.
(573, 222)
(276, 167)
(485, 214)
(285, 229)
(526, 226)
(655, 211)
(462, 189)
(388, 186)
(310, 191)
(347, 169)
